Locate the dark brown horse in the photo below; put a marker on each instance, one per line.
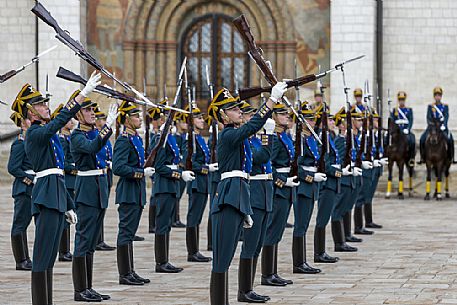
(398, 152)
(436, 158)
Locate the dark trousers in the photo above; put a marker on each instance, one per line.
(165, 208)
(197, 205)
(342, 201)
(303, 210)
(49, 224)
(253, 238)
(90, 222)
(227, 226)
(364, 193)
(277, 220)
(325, 207)
(354, 195)
(22, 214)
(129, 219)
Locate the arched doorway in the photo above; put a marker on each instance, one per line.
(213, 41)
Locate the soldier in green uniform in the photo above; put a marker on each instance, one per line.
(50, 200)
(307, 193)
(181, 139)
(284, 195)
(231, 207)
(20, 168)
(104, 155)
(198, 189)
(261, 196)
(128, 164)
(70, 177)
(91, 196)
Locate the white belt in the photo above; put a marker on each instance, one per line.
(49, 171)
(174, 166)
(233, 174)
(309, 168)
(283, 170)
(338, 166)
(73, 164)
(92, 172)
(30, 172)
(262, 177)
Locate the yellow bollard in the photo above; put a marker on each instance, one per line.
(400, 187)
(427, 187)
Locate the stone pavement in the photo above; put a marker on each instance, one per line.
(413, 260)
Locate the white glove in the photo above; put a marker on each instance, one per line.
(213, 167)
(34, 180)
(248, 222)
(357, 171)
(384, 161)
(94, 81)
(376, 163)
(188, 176)
(347, 170)
(112, 115)
(367, 165)
(110, 164)
(320, 177)
(443, 128)
(400, 121)
(172, 130)
(210, 129)
(269, 126)
(291, 183)
(278, 91)
(442, 119)
(405, 131)
(72, 218)
(149, 171)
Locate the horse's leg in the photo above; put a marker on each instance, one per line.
(446, 185)
(439, 175)
(389, 180)
(401, 167)
(410, 185)
(428, 182)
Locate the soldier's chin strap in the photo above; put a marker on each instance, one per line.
(35, 112)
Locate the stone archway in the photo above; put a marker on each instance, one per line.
(153, 29)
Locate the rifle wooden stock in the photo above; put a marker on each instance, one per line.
(163, 136)
(7, 75)
(379, 139)
(147, 122)
(369, 152)
(359, 156)
(247, 93)
(324, 147)
(349, 140)
(298, 149)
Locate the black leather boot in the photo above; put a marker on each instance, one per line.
(275, 267)
(161, 254)
(64, 247)
(90, 271)
(152, 218)
(193, 255)
(254, 269)
(217, 289)
(339, 239)
(132, 266)
(320, 256)
(101, 245)
(49, 276)
(368, 211)
(20, 252)
(177, 219)
(268, 277)
(299, 257)
(39, 288)
(245, 293)
(347, 221)
(209, 231)
(126, 276)
(138, 238)
(358, 222)
(82, 293)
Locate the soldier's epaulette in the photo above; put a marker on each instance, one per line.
(138, 175)
(309, 178)
(105, 130)
(71, 104)
(279, 183)
(27, 181)
(264, 109)
(338, 174)
(204, 171)
(265, 139)
(176, 175)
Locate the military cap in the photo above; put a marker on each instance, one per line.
(247, 108)
(25, 98)
(126, 109)
(340, 116)
(401, 95)
(16, 118)
(358, 92)
(196, 112)
(56, 111)
(87, 103)
(317, 92)
(156, 112)
(355, 114)
(437, 90)
(98, 113)
(307, 111)
(280, 108)
(222, 100)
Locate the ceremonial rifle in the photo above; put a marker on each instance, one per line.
(214, 127)
(379, 140)
(389, 120)
(147, 120)
(265, 67)
(369, 122)
(298, 131)
(190, 125)
(40, 11)
(349, 136)
(361, 151)
(324, 132)
(10, 74)
(164, 133)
